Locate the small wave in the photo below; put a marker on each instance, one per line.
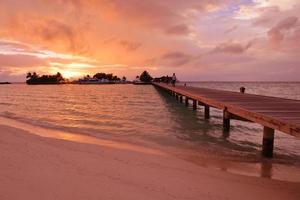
(95, 132)
(7, 114)
(6, 104)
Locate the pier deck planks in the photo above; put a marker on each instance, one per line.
(276, 113)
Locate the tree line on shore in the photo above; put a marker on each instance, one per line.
(34, 78)
(109, 77)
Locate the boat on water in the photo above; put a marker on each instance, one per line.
(137, 81)
(141, 83)
(4, 83)
(96, 81)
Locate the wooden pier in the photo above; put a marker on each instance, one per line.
(271, 112)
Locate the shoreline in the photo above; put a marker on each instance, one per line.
(40, 167)
(274, 169)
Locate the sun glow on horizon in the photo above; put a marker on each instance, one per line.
(68, 74)
(72, 70)
(71, 74)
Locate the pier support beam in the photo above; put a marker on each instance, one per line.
(176, 96)
(226, 121)
(186, 101)
(206, 112)
(268, 142)
(181, 99)
(194, 104)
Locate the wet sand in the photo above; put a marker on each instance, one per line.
(37, 167)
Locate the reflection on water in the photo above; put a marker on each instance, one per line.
(266, 169)
(146, 116)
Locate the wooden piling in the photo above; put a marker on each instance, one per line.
(186, 101)
(206, 112)
(176, 96)
(181, 99)
(268, 142)
(194, 104)
(226, 121)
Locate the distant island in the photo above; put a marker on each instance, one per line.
(35, 79)
(3, 83)
(101, 78)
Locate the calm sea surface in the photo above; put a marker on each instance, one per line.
(146, 116)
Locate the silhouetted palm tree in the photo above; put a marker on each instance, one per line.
(145, 77)
(29, 75)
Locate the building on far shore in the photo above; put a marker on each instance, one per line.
(96, 81)
(102, 78)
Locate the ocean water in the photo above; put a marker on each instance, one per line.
(146, 116)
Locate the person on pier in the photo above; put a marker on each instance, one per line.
(174, 79)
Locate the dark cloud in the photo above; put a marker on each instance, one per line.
(176, 58)
(231, 48)
(53, 30)
(48, 31)
(231, 29)
(181, 29)
(150, 13)
(129, 45)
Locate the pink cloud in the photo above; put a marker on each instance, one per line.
(277, 33)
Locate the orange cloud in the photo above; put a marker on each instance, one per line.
(48, 31)
(130, 46)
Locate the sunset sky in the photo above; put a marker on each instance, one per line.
(215, 40)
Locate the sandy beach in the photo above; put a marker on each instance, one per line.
(35, 167)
